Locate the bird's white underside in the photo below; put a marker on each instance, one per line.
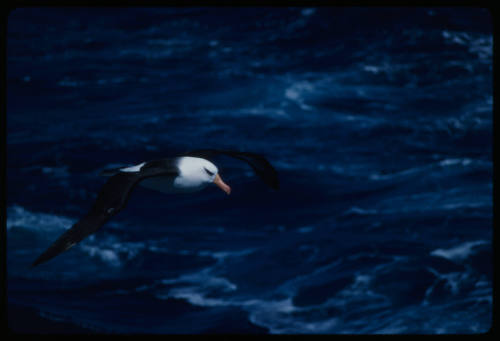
(167, 185)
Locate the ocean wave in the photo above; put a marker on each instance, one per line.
(107, 255)
(275, 113)
(297, 91)
(452, 162)
(18, 216)
(427, 202)
(222, 255)
(207, 289)
(274, 314)
(459, 252)
(444, 163)
(472, 205)
(67, 82)
(481, 46)
(282, 317)
(112, 253)
(474, 121)
(360, 211)
(328, 316)
(195, 287)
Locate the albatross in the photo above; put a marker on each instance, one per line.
(187, 173)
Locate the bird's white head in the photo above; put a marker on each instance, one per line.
(198, 172)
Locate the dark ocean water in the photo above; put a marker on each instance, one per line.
(378, 120)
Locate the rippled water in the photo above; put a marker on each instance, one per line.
(378, 120)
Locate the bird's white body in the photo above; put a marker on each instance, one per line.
(192, 177)
(164, 184)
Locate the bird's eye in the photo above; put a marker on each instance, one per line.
(209, 172)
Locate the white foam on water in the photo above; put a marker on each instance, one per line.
(221, 255)
(405, 172)
(459, 252)
(373, 69)
(454, 206)
(108, 256)
(204, 281)
(452, 162)
(111, 250)
(195, 287)
(480, 45)
(360, 211)
(280, 315)
(296, 92)
(18, 216)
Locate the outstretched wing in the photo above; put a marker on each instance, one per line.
(259, 164)
(111, 199)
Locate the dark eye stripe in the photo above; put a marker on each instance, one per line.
(209, 172)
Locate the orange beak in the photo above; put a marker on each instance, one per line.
(218, 181)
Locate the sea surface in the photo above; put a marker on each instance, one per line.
(378, 121)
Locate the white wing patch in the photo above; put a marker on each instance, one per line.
(135, 168)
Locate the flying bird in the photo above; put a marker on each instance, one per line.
(190, 172)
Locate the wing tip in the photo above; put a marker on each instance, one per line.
(37, 261)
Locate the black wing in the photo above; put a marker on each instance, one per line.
(111, 199)
(259, 164)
